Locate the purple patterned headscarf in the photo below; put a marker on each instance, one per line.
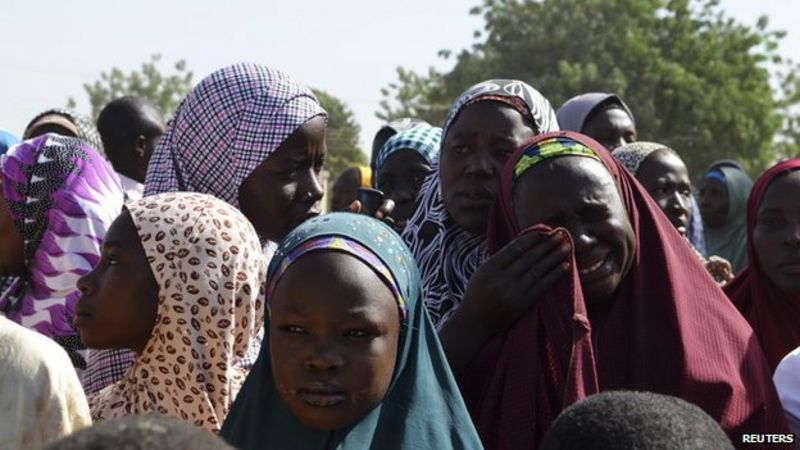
(62, 196)
(228, 125)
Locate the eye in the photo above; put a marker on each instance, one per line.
(356, 333)
(459, 149)
(293, 329)
(771, 221)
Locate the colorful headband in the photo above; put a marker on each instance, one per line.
(716, 175)
(551, 148)
(350, 247)
(366, 176)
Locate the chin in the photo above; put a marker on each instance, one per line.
(323, 422)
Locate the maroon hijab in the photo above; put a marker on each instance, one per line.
(669, 329)
(774, 318)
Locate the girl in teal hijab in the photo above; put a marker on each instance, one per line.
(353, 360)
(723, 204)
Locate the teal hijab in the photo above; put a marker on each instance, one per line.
(730, 240)
(423, 407)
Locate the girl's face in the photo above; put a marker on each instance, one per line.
(776, 236)
(285, 189)
(119, 301)
(401, 177)
(333, 334)
(475, 148)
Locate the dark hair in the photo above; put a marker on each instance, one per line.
(123, 120)
(141, 433)
(625, 419)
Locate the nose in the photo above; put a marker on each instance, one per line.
(403, 196)
(678, 203)
(793, 237)
(85, 283)
(311, 189)
(324, 357)
(582, 239)
(479, 164)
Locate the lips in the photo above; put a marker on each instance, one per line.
(303, 217)
(81, 319)
(321, 398)
(476, 198)
(594, 268)
(792, 267)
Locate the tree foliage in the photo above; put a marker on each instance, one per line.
(165, 90)
(695, 79)
(341, 136)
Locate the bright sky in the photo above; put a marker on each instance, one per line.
(349, 48)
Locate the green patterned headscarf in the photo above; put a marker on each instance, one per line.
(423, 407)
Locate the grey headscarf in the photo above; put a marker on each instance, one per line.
(573, 113)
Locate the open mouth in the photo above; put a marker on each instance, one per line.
(321, 399)
(592, 268)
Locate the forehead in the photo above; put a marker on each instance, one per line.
(123, 230)
(494, 116)
(783, 192)
(611, 117)
(713, 184)
(332, 282)
(548, 181)
(403, 158)
(662, 162)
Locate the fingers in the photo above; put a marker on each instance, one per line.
(354, 207)
(532, 276)
(540, 257)
(514, 250)
(385, 210)
(534, 289)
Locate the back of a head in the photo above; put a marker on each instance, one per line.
(634, 420)
(141, 433)
(122, 120)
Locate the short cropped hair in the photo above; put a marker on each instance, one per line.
(141, 432)
(625, 419)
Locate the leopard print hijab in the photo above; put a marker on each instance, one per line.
(211, 271)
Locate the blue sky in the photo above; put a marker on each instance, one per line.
(350, 48)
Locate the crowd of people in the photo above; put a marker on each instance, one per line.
(519, 277)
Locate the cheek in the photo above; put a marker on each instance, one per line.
(765, 242)
(375, 370)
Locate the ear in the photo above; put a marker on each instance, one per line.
(141, 146)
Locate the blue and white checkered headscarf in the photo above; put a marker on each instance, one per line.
(226, 127)
(423, 139)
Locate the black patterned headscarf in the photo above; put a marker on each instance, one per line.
(447, 254)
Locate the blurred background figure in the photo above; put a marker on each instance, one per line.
(130, 128)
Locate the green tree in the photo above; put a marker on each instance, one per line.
(696, 79)
(165, 90)
(341, 136)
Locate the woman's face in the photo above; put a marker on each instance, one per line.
(714, 202)
(612, 128)
(776, 236)
(12, 246)
(285, 189)
(333, 341)
(666, 179)
(475, 148)
(579, 194)
(119, 298)
(400, 178)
